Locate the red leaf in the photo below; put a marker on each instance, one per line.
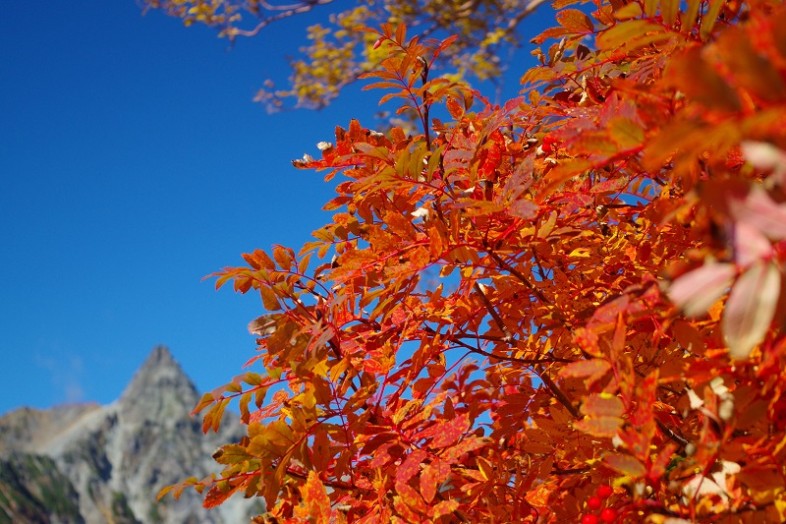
(688, 337)
(218, 493)
(411, 465)
(432, 477)
(451, 432)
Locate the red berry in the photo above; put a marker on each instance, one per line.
(594, 503)
(608, 515)
(589, 519)
(548, 144)
(605, 492)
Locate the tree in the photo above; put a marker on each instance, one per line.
(566, 308)
(337, 54)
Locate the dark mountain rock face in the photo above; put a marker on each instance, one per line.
(105, 464)
(32, 489)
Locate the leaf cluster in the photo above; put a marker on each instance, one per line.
(576, 292)
(341, 49)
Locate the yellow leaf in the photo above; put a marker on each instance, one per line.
(632, 35)
(626, 133)
(709, 18)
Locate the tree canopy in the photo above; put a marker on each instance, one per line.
(337, 53)
(564, 308)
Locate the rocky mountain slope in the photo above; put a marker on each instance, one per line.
(104, 464)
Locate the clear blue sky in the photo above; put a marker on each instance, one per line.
(134, 163)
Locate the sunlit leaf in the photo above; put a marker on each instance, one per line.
(750, 308)
(625, 465)
(575, 20)
(631, 34)
(697, 290)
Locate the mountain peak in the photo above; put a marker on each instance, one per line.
(160, 356)
(160, 388)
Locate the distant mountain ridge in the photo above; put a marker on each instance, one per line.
(91, 464)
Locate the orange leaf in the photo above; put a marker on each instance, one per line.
(444, 507)
(218, 493)
(455, 108)
(283, 256)
(625, 464)
(688, 336)
(593, 369)
(692, 75)
(563, 172)
(575, 20)
(411, 498)
(602, 405)
(605, 427)
(269, 299)
(315, 499)
(259, 260)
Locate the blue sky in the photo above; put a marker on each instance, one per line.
(133, 164)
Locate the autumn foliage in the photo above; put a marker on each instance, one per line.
(336, 53)
(565, 309)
